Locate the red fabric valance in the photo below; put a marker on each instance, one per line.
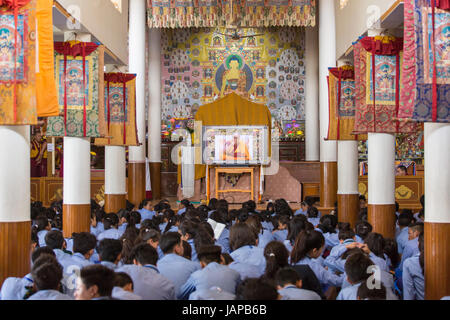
(443, 4)
(119, 77)
(380, 47)
(344, 73)
(11, 4)
(74, 50)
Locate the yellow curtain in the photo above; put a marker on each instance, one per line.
(231, 110)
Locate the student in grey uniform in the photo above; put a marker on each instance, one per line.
(15, 288)
(289, 285)
(173, 265)
(109, 251)
(148, 282)
(95, 283)
(110, 223)
(47, 281)
(123, 287)
(413, 275)
(212, 274)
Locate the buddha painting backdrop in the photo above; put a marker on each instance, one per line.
(265, 65)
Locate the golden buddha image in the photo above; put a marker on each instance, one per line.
(234, 78)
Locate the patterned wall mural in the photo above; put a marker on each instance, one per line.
(265, 66)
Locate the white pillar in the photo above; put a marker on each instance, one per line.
(136, 59)
(348, 167)
(327, 58)
(154, 80)
(15, 174)
(77, 158)
(312, 95)
(437, 172)
(115, 170)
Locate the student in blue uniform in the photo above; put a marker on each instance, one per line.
(152, 237)
(248, 259)
(295, 226)
(41, 228)
(95, 283)
(313, 216)
(346, 241)
(148, 282)
(47, 281)
(84, 244)
(188, 231)
(124, 216)
(277, 257)
(123, 287)
(364, 293)
(362, 229)
(55, 241)
(413, 275)
(404, 220)
(109, 252)
(173, 265)
(391, 251)
(219, 216)
(15, 288)
(270, 209)
(266, 221)
(173, 221)
(110, 222)
(256, 289)
(281, 231)
(185, 203)
(308, 247)
(303, 209)
(264, 236)
(375, 248)
(212, 274)
(289, 285)
(146, 210)
(412, 245)
(327, 227)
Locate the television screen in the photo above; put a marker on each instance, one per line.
(235, 145)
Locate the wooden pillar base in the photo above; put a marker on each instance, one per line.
(76, 218)
(437, 260)
(348, 208)
(136, 182)
(115, 202)
(155, 178)
(328, 184)
(15, 249)
(382, 219)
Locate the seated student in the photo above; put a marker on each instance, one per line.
(146, 210)
(346, 241)
(303, 209)
(270, 208)
(55, 241)
(212, 205)
(266, 221)
(289, 285)
(212, 274)
(15, 288)
(412, 245)
(281, 231)
(135, 220)
(277, 257)
(124, 216)
(264, 236)
(185, 203)
(219, 216)
(313, 216)
(173, 222)
(123, 287)
(362, 202)
(111, 223)
(83, 247)
(128, 240)
(404, 220)
(151, 236)
(374, 246)
(391, 251)
(47, 282)
(173, 265)
(377, 293)
(226, 259)
(362, 229)
(188, 231)
(109, 251)
(295, 226)
(413, 274)
(95, 282)
(187, 250)
(327, 226)
(256, 289)
(96, 222)
(308, 247)
(148, 282)
(248, 259)
(41, 227)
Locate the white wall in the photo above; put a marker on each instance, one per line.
(353, 20)
(104, 22)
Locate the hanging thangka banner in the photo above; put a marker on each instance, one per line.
(341, 100)
(222, 13)
(120, 110)
(18, 62)
(80, 86)
(425, 90)
(377, 79)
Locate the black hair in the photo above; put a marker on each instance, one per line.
(144, 203)
(213, 203)
(282, 207)
(129, 206)
(135, 218)
(109, 249)
(397, 206)
(40, 251)
(168, 241)
(310, 201)
(312, 212)
(391, 250)
(422, 200)
(54, 239)
(204, 236)
(363, 214)
(188, 227)
(376, 243)
(345, 234)
(144, 254)
(250, 206)
(287, 276)
(47, 276)
(187, 250)
(241, 235)
(227, 258)
(100, 276)
(295, 226)
(256, 289)
(328, 223)
(172, 218)
(422, 253)
(405, 218)
(418, 226)
(83, 242)
(277, 257)
(362, 229)
(219, 216)
(364, 293)
(242, 215)
(209, 253)
(42, 222)
(305, 242)
(222, 203)
(186, 203)
(110, 220)
(44, 259)
(128, 240)
(146, 234)
(270, 208)
(356, 267)
(403, 168)
(255, 223)
(121, 279)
